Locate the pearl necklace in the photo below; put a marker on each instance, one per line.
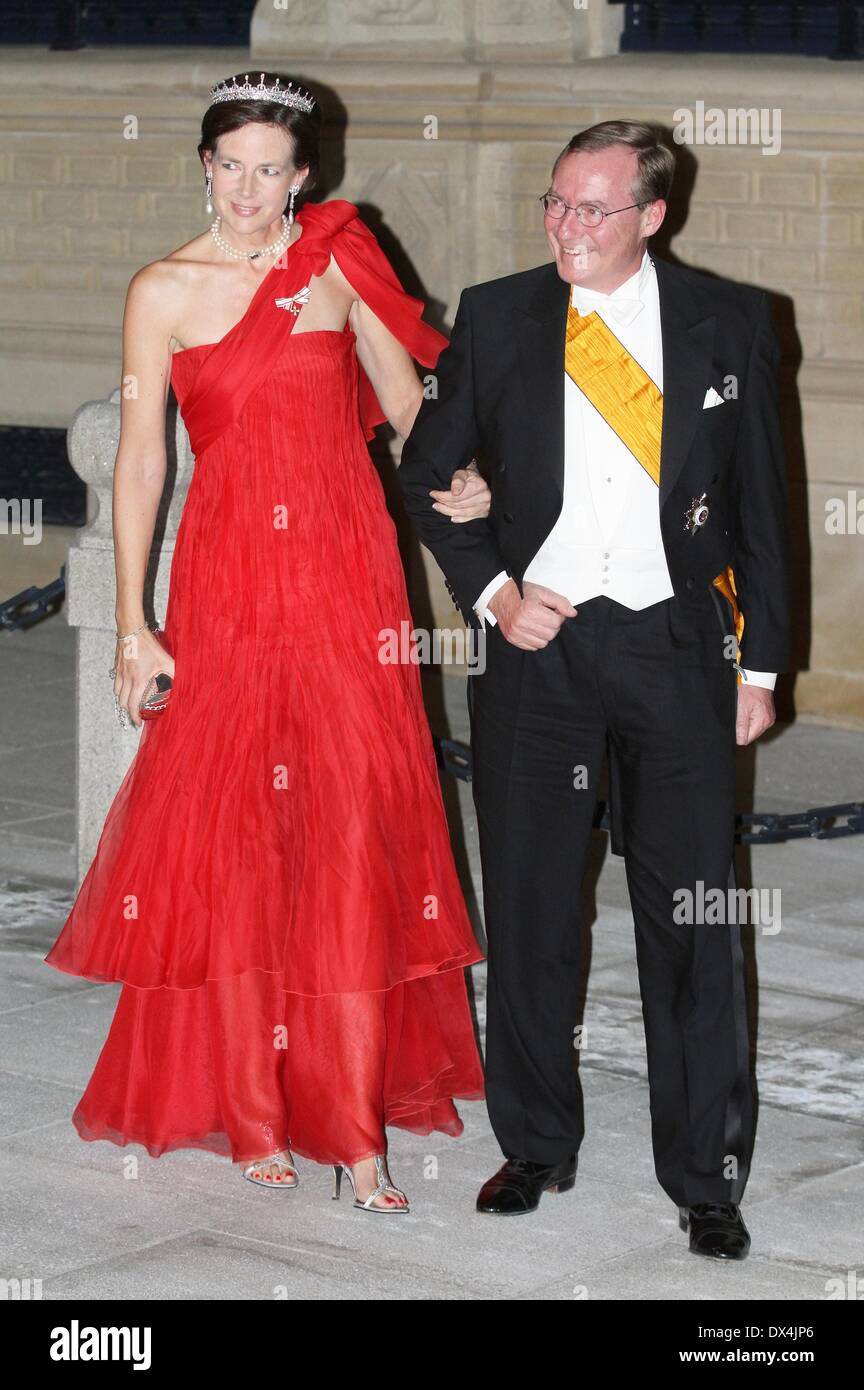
(273, 250)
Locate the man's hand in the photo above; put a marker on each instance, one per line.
(755, 712)
(468, 498)
(530, 622)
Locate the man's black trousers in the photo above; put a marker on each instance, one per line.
(657, 688)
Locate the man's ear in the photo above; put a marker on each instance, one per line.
(652, 217)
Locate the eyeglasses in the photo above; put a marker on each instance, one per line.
(588, 213)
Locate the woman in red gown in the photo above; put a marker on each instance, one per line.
(274, 883)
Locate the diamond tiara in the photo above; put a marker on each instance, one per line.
(286, 96)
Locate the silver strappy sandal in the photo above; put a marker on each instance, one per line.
(283, 1160)
(384, 1186)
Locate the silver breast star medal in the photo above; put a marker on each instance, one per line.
(697, 515)
(294, 302)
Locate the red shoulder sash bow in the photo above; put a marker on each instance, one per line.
(240, 362)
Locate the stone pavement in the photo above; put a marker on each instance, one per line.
(93, 1221)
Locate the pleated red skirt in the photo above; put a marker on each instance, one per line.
(241, 1068)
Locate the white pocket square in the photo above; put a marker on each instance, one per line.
(711, 398)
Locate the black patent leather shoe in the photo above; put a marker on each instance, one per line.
(518, 1186)
(716, 1229)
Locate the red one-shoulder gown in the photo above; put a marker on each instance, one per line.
(274, 883)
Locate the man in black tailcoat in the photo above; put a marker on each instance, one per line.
(627, 412)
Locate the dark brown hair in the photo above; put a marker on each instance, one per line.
(303, 127)
(656, 159)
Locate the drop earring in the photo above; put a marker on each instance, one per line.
(208, 185)
(293, 191)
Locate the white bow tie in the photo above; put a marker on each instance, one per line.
(623, 311)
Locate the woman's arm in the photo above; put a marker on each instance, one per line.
(141, 463)
(388, 366)
(394, 379)
(386, 362)
(139, 475)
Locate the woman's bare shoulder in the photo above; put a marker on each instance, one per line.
(178, 271)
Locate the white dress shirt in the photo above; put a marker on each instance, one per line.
(607, 538)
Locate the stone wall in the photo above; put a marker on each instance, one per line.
(83, 206)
